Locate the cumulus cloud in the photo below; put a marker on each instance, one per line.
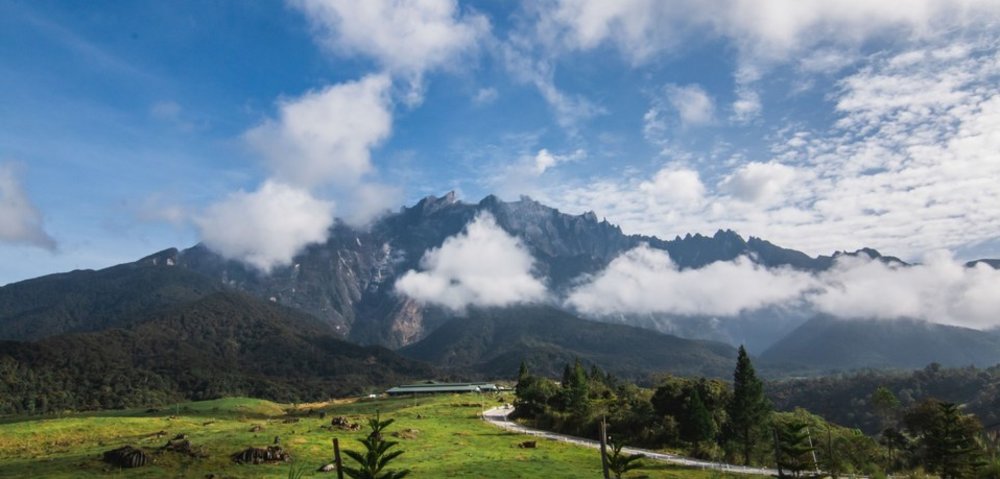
(20, 221)
(482, 266)
(693, 104)
(680, 187)
(645, 280)
(939, 290)
(326, 136)
(318, 148)
(677, 107)
(759, 182)
(406, 37)
(267, 227)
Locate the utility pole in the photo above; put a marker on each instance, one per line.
(815, 462)
(604, 448)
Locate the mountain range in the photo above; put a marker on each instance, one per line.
(339, 293)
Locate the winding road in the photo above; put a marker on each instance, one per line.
(498, 417)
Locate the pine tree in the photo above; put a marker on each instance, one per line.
(793, 447)
(698, 424)
(748, 409)
(376, 456)
(951, 444)
(576, 388)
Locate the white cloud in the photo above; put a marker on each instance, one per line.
(759, 182)
(20, 220)
(482, 266)
(321, 141)
(267, 227)
(767, 30)
(528, 174)
(645, 280)
(545, 160)
(763, 32)
(406, 37)
(908, 165)
(940, 290)
(679, 187)
(747, 105)
(327, 135)
(693, 105)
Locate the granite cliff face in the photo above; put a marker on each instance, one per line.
(348, 281)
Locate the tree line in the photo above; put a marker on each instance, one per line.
(735, 422)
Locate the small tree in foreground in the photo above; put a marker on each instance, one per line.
(372, 462)
(619, 463)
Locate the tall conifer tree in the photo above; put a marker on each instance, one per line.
(749, 409)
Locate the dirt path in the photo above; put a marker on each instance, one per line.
(498, 417)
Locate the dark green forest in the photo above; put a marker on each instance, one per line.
(847, 398)
(735, 422)
(225, 344)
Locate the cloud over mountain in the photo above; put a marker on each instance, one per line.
(644, 280)
(482, 266)
(267, 227)
(940, 290)
(318, 146)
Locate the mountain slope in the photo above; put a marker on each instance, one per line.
(87, 300)
(348, 281)
(493, 342)
(825, 343)
(225, 344)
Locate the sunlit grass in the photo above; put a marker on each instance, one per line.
(442, 436)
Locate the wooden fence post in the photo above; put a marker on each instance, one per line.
(336, 458)
(604, 448)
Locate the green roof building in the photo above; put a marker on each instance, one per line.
(434, 387)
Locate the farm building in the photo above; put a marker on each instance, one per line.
(434, 387)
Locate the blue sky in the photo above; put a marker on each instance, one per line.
(128, 127)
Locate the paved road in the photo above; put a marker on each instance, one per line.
(498, 417)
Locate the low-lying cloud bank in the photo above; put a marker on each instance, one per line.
(645, 280)
(482, 266)
(940, 290)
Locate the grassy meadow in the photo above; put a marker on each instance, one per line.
(442, 436)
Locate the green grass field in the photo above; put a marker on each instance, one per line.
(443, 438)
